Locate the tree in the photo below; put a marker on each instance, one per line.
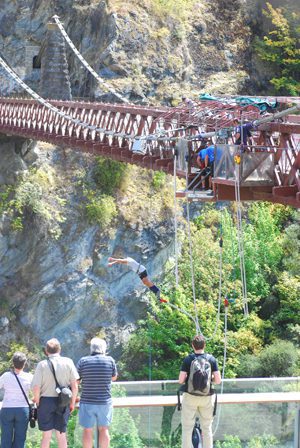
(278, 359)
(281, 49)
(288, 291)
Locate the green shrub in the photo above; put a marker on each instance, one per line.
(35, 193)
(158, 180)
(124, 430)
(229, 442)
(100, 209)
(108, 174)
(265, 441)
(249, 366)
(278, 359)
(32, 356)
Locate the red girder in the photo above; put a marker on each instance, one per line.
(32, 120)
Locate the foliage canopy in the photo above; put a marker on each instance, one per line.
(281, 49)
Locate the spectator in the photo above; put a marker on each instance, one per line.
(139, 269)
(192, 404)
(96, 371)
(15, 410)
(50, 417)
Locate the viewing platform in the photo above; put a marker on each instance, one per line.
(252, 413)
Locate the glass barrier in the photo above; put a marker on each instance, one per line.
(243, 425)
(240, 385)
(256, 168)
(182, 151)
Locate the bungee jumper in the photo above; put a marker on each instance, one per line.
(139, 269)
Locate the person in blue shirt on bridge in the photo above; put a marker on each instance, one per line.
(96, 372)
(205, 160)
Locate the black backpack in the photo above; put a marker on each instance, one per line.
(199, 382)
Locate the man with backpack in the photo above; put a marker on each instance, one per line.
(198, 371)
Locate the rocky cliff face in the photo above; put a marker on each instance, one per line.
(62, 286)
(151, 51)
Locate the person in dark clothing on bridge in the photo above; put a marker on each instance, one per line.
(242, 132)
(96, 372)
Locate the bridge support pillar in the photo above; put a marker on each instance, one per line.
(55, 79)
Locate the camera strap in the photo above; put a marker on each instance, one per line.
(53, 371)
(25, 396)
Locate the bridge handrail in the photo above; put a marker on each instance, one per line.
(234, 398)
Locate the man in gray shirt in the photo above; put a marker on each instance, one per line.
(50, 417)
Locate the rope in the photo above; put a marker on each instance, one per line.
(239, 223)
(175, 307)
(85, 63)
(220, 287)
(150, 379)
(175, 221)
(232, 255)
(198, 329)
(223, 368)
(240, 234)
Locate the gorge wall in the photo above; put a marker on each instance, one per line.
(151, 51)
(61, 285)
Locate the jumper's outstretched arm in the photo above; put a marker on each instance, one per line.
(112, 261)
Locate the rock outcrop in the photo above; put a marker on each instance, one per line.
(150, 51)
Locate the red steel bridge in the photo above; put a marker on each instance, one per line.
(148, 137)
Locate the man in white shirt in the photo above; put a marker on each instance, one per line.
(50, 417)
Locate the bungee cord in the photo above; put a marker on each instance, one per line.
(240, 235)
(220, 288)
(198, 329)
(175, 220)
(223, 367)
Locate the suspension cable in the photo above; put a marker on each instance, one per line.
(77, 121)
(54, 109)
(85, 63)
